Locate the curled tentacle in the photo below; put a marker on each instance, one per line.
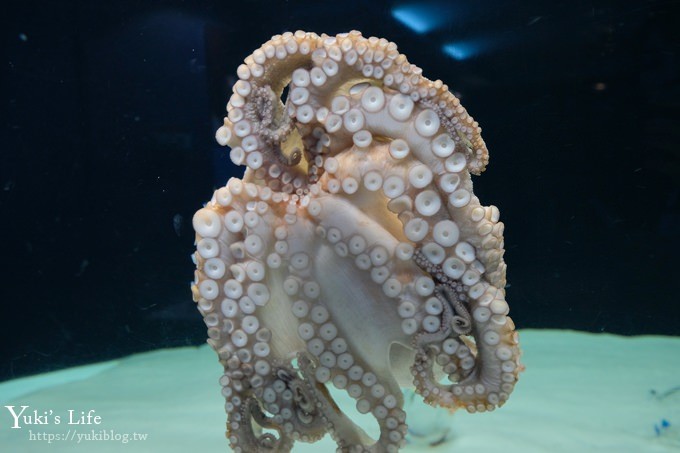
(241, 434)
(266, 114)
(271, 122)
(485, 374)
(461, 322)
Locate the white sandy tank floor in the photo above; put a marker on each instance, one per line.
(580, 393)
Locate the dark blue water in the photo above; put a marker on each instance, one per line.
(108, 150)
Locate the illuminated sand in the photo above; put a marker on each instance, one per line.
(580, 392)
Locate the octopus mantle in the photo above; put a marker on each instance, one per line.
(353, 252)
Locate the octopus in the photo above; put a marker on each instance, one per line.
(353, 253)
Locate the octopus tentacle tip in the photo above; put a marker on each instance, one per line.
(354, 229)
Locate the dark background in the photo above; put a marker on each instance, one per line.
(108, 146)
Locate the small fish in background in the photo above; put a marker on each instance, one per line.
(666, 428)
(83, 265)
(661, 427)
(177, 221)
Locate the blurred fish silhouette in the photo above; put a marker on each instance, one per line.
(177, 224)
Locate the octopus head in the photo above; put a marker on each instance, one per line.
(353, 253)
